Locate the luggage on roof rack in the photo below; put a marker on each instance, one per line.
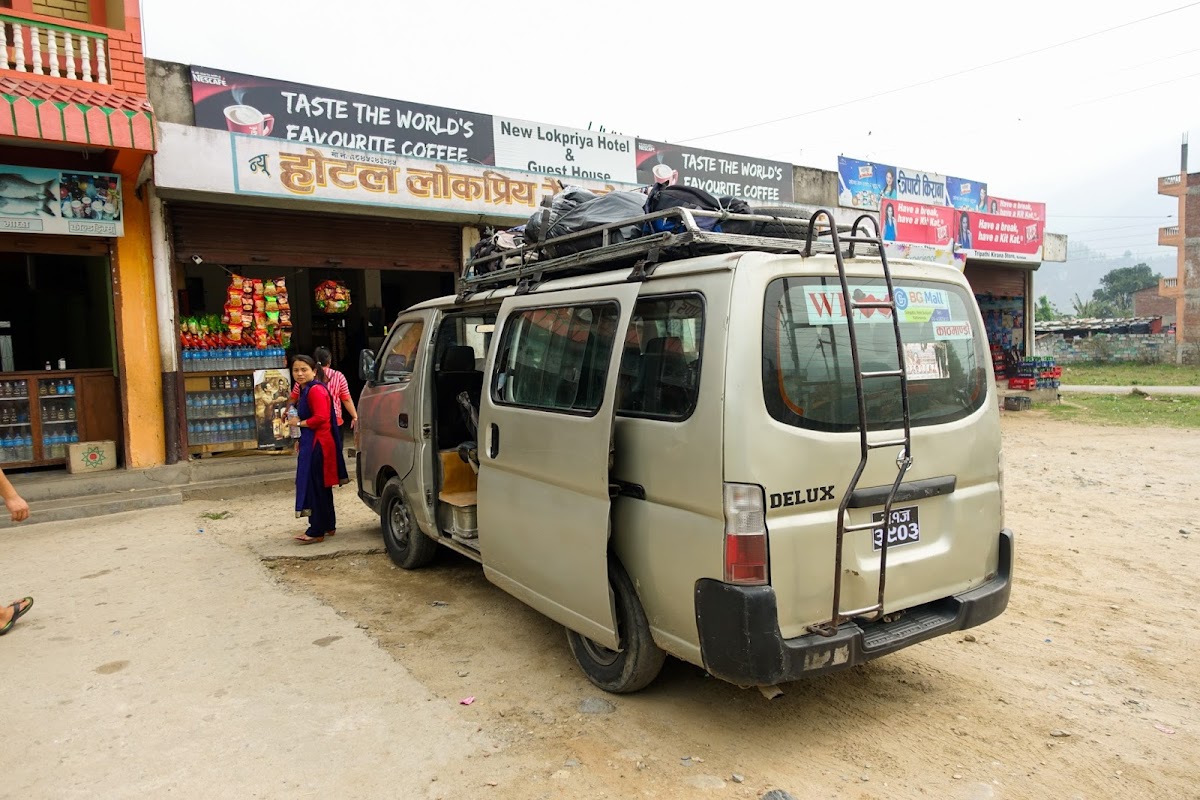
(609, 250)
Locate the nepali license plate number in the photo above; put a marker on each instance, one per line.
(903, 528)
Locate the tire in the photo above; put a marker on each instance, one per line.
(406, 545)
(779, 230)
(639, 660)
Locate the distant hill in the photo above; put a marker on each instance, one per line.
(1081, 273)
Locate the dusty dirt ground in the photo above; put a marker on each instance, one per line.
(1084, 688)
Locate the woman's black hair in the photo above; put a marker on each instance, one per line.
(316, 368)
(323, 356)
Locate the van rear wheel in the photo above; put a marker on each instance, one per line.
(405, 544)
(639, 659)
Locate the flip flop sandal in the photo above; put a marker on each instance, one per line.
(18, 612)
(331, 533)
(309, 539)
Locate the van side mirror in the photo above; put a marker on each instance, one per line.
(366, 366)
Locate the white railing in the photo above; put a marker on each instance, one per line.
(54, 51)
(1170, 283)
(1171, 180)
(1173, 230)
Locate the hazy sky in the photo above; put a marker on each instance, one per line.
(986, 91)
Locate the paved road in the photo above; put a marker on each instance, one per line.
(1187, 390)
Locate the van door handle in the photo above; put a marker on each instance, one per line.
(402, 421)
(493, 440)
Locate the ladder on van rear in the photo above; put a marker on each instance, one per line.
(858, 235)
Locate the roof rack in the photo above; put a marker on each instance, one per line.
(528, 266)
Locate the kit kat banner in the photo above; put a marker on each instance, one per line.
(268, 108)
(1021, 209)
(916, 223)
(755, 180)
(995, 238)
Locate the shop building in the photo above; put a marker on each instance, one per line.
(233, 204)
(1183, 290)
(79, 369)
(287, 217)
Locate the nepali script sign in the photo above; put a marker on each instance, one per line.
(292, 170)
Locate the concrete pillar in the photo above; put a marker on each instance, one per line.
(138, 353)
(164, 294)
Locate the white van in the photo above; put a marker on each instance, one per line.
(697, 456)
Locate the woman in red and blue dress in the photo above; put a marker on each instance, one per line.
(319, 462)
(336, 383)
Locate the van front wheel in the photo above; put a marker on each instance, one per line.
(405, 544)
(639, 659)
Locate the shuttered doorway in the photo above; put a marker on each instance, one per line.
(250, 236)
(996, 280)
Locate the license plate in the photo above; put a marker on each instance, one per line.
(903, 528)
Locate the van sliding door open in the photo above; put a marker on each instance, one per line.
(544, 440)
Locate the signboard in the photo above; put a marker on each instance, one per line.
(568, 153)
(328, 117)
(967, 195)
(278, 168)
(862, 184)
(71, 202)
(919, 187)
(916, 223)
(1021, 209)
(754, 180)
(272, 388)
(996, 238)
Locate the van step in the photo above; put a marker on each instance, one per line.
(916, 624)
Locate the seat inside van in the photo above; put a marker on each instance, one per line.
(456, 374)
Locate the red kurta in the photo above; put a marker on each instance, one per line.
(320, 408)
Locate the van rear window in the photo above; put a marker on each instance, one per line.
(808, 371)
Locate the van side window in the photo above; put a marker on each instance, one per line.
(400, 353)
(660, 369)
(556, 358)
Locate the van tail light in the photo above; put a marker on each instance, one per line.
(746, 559)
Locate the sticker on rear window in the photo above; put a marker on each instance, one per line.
(951, 330)
(825, 304)
(926, 361)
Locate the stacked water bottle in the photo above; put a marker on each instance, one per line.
(223, 414)
(234, 359)
(16, 439)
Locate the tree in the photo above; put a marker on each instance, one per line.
(1119, 285)
(1088, 308)
(1045, 310)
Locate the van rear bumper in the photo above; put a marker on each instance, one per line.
(740, 640)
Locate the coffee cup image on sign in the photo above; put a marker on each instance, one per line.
(248, 120)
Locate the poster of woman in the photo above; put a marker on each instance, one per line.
(272, 388)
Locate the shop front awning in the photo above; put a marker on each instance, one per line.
(65, 111)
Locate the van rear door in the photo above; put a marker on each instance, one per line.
(545, 437)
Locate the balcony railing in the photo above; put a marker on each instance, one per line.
(1169, 236)
(1171, 180)
(1170, 283)
(51, 50)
